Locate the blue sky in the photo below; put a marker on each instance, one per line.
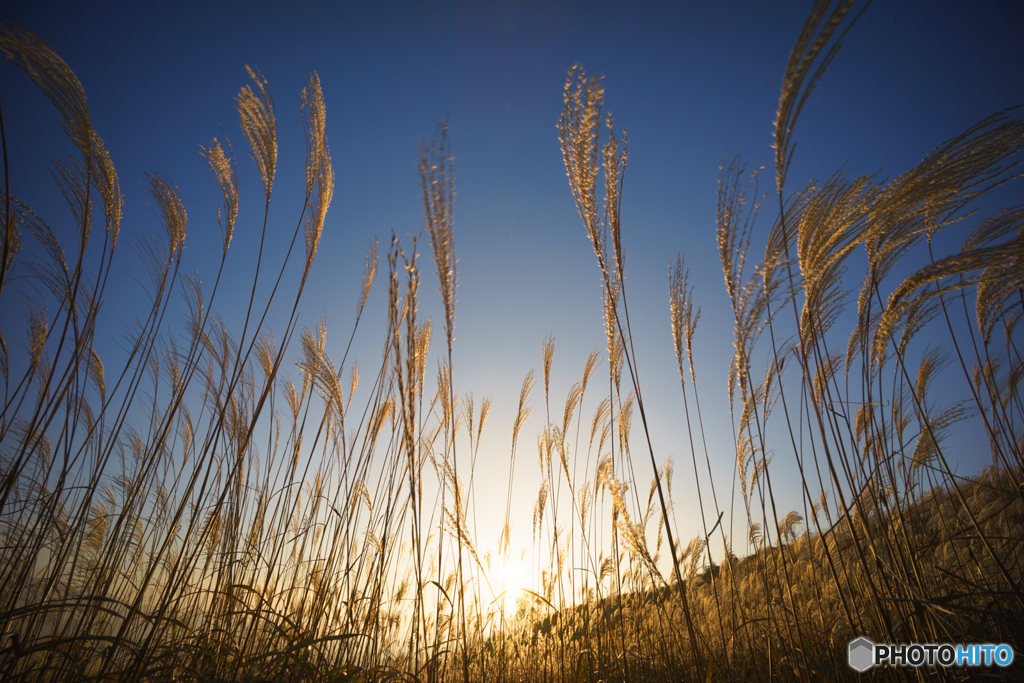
(693, 83)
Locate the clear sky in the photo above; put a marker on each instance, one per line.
(692, 82)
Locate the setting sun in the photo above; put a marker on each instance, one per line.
(510, 580)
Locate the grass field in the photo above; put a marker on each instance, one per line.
(259, 528)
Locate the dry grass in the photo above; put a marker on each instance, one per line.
(259, 528)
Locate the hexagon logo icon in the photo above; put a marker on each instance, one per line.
(862, 654)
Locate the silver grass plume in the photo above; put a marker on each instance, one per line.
(259, 125)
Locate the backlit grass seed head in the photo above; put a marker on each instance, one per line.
(614, 161)
(547, 356)
(369, 275)
(732, 232)
(545, 444)
(563, 455)
(353, 382)
(110, 189)
(259, 125)
(317, 365)
(828, 228)
(421, 351)
(172, 212)
(682, 314)
(291, 398)
(95, 373)
(524, 409)
(999, 281)
(223, 167)
(60, 85)
(314, 116)
(593, 358)
(584, 498)
(539, 506)
(437, 181)
(616, 347)
(928, 197)
(811, 56)
(444, 391)
(572, 401)
(380, 416)
(579, 129)
(824, 376)
(266, 354)
(193, 293)
(485, 410)
(914, 294)
(475, 430)
(600, 420)
(319, 171)
(48, 71)
(626, 422)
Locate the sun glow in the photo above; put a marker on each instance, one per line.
(510, 577)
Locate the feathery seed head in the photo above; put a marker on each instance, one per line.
(437, 181)
(223, 167)
(172, 212)
(259, 125)
(319, 171)
(547, 355)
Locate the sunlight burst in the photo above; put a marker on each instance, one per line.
(510, 578)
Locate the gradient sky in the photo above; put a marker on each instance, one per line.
(693, 83)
